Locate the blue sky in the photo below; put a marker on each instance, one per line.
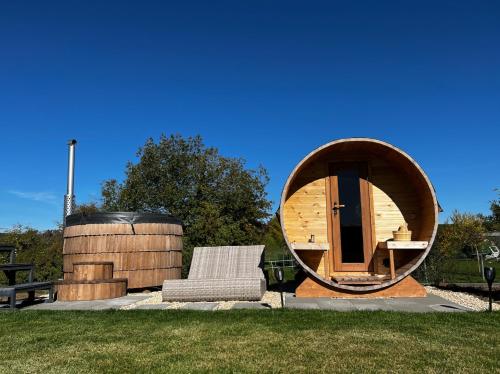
(268, 81)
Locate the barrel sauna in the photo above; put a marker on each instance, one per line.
(143, 248)
(339, 210)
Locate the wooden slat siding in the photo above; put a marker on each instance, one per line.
(125, 243)
(129, 260)
(315, 259)
(404, 245)
(311, 246)
(305, 210)
(305, 213)
(158, 229)
(408, 287)
(153, 253)
(141, 276)
(123, 229)
(91, 290)
(395, 201)
(359, 280)
(407, 266)
(427, 221)
(136, 278)
(98, 229)
(329, 256)
(92, 271)
(361, 283)
(367, 208)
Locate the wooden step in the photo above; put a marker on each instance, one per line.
(91, 270)
(83, 290)
(363, 280)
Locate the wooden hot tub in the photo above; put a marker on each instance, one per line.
(142, 248)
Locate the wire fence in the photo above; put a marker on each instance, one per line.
(431, 271)
(454, 270)
(285, 262)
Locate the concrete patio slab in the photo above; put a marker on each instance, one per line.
(335, 304)
(199, 306)
(431, 303)
(89, 305)
(447, 308)
(291, 302)
(372, 306)
(248, 305)
(152, 307)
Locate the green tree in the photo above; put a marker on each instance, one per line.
(273, 239)
(464, 236)
(219, 201)
(492, 221)
(461, 236)
(88, 208)
(42, 248)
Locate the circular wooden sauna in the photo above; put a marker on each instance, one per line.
(143, 248)
(341, 206)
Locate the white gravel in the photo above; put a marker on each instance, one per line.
(467, 300)
(270, 298)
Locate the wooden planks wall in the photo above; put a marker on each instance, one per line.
(129, 260)
(120, 243)
(393, 195)
(123, 229)
(146, 253)
(315, 260)
(92, 271)
(305, 209)
(394, 201)
(305, 213)
(99, 290)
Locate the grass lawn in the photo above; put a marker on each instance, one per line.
(248, 341)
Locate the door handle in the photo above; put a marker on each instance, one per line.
(336, 207)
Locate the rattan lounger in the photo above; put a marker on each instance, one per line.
(220, 273)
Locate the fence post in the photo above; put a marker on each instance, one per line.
(425, 272)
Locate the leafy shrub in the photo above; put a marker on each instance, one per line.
(42, 248)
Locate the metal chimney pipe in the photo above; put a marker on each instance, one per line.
(69, 198)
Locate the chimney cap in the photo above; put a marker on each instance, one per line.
(72, 142)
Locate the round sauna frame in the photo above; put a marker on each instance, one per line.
(144, 248)
(365, 150)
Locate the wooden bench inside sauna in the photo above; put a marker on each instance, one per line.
(105, 254)
(340, 209)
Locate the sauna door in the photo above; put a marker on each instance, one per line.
(351, 235)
